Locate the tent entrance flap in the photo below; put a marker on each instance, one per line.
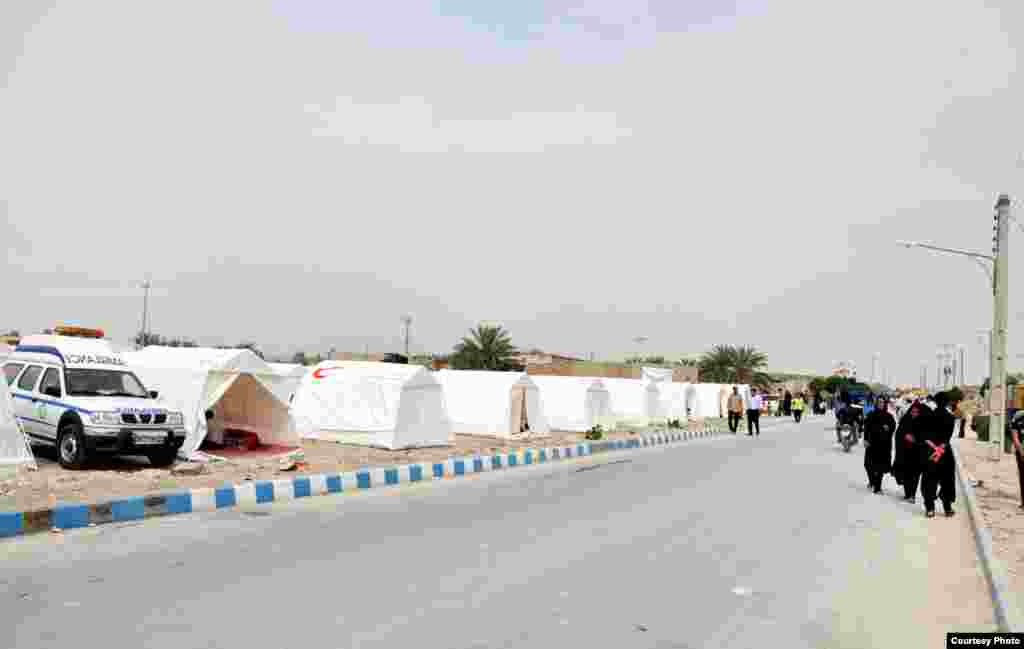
(520, 421)
(244, 403)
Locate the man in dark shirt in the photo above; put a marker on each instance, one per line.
(939, 469)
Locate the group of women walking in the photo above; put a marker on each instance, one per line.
(923, 451)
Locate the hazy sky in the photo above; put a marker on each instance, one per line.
(301, 173)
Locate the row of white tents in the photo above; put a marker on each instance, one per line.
(395, 406)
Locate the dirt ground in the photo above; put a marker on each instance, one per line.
(122, 477)
(999, 500)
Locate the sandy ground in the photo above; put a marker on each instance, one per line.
(127, 476)
(999, 500)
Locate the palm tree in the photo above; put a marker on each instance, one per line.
(486, 348)
(729, 364)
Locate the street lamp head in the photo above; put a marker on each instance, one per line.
(907, 244)
(1004, 201)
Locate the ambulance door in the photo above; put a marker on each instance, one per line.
(48, 413)
(24, 399)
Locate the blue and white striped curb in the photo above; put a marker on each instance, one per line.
(71, 516)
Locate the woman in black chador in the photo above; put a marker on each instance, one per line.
(906, 467)
(938, 466)
(879, 427)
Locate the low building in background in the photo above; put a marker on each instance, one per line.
(374, 357)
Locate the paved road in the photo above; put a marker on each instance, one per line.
(730, 542)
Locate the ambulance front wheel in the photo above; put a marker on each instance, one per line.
(71, 447)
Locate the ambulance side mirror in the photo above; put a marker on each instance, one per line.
(153, 394)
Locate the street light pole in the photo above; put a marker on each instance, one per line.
(999, 322)
(145, 315)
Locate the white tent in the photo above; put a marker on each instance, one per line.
(496, 404)
(573, 403)
(292, 374)
(708, 400)
(14, 446)
(673, 399)
(383, 405)
(5, 351)
(241, 389)
(633, 398)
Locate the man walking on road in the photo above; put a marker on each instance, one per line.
(939, 470)
(735, 410)
(754, 413)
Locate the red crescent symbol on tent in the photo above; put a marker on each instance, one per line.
(321, 373)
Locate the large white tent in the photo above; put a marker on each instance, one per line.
(495, 404)
(292, 374)
(707, 401)
(633, 398)
(382, 405)
(573, 403)
(14, 446)
(5, 351)
(673, 399)
(239, 387)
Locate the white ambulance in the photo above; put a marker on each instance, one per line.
(73, 391)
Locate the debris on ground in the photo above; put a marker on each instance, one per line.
(120, 477)
(188, 468)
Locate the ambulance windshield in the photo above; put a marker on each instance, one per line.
(103, 383)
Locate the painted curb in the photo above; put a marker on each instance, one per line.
(995, 573)
(78, 515)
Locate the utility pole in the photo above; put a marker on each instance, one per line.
(407, 321)
(999, 322)
(145, 314)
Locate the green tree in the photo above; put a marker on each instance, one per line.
(818, 385)
(687, 362)
(486, 348)
(730, 364)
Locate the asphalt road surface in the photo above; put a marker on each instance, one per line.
(738, 542)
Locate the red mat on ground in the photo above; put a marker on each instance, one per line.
(259, 451)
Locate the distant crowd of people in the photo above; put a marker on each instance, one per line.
(788, 406)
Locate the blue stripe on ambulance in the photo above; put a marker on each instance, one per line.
(52, 403)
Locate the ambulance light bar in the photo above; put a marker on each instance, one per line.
(77, 332)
